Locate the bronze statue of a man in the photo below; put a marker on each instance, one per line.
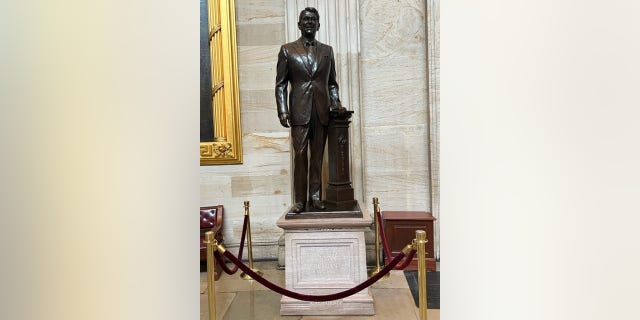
(309, 67)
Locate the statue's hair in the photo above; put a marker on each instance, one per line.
(309, 9)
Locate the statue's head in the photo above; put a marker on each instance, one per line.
(309, 22)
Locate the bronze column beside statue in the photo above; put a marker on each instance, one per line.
(339, 191)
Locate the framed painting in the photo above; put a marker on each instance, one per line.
(220, 132)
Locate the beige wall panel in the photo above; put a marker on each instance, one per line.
(213, 188)
(265, 153)
(392, 28)
(259, 76)
(259, 101)
(396, 95)
(259, 55)
(262, 185)
(259, 12)
(400, 191)
(259, 115)
(262, 121)
(260, 34)
(394, 149)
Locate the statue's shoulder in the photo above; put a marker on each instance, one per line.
(323, 46)
(290, 44)
(293, 44)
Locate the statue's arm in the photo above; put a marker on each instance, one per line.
(282, 80)
(333, 87)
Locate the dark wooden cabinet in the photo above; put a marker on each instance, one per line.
(400, 228)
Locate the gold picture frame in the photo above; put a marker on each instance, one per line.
(226, 147)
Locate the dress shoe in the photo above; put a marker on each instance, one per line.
(318, 204)
(297, 207)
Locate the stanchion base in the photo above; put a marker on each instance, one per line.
(245, 276)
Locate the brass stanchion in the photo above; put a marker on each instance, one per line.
(244, 275)
(421, 237)
(212, 244)
(376, 210)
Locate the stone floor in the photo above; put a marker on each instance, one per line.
(238, 299)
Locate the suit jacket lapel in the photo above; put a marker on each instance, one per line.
(303, 53)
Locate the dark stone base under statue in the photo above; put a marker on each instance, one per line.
(332, 211)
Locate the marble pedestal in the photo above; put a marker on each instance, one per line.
(324, 256)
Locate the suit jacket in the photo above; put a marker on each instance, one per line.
(311, 82)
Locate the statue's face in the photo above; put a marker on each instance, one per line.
(309, 24)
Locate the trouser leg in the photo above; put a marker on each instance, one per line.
(300, 142)
(317, 138)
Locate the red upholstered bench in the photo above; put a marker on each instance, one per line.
(210, 220)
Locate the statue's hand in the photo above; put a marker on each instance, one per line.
(284, 119)
(339, 108)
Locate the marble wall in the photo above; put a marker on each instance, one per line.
(394, 99)
(391, 121)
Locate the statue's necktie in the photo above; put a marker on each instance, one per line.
(311, 51)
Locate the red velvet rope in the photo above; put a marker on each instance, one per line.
(307, 297)
(223, 265)
(385, 245)
(406, 261)
(219, 258)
